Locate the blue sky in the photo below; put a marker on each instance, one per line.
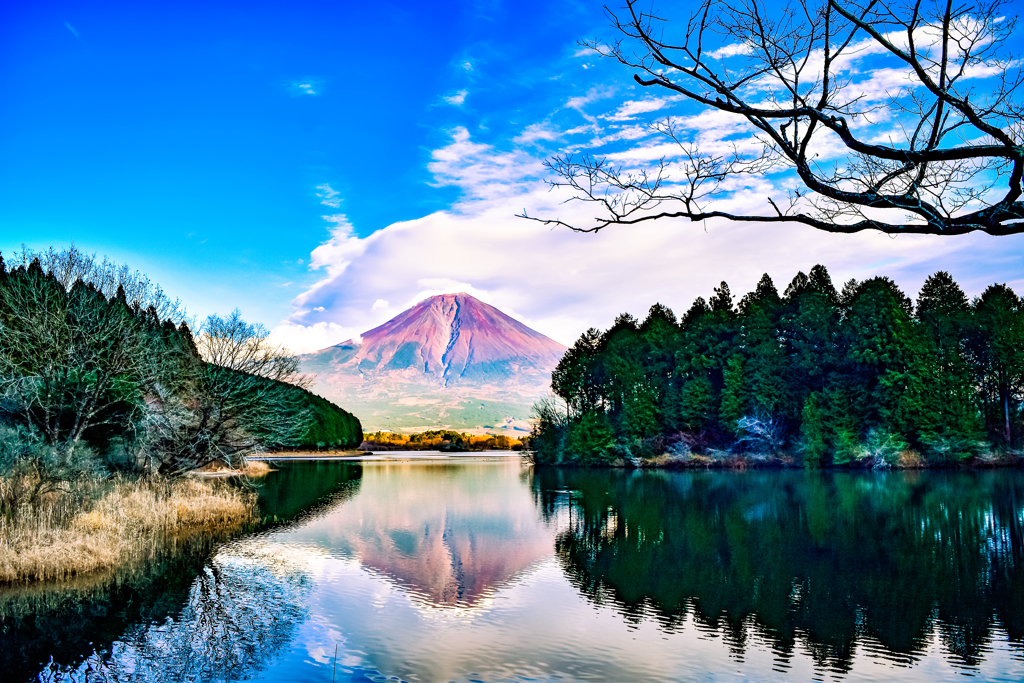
(190, 138)
(322, 165)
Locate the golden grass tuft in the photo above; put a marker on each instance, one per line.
(910, 460)
(129, 522)
(667, 460)
(256, 469)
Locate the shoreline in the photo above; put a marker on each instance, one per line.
(117, 526)
(736, 463)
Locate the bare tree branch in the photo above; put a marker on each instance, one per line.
(926, 154)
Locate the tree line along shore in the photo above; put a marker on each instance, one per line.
(817, 376)
(444, 440)
(108, 401)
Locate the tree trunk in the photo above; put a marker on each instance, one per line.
(1006, 414)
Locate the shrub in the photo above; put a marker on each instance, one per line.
(882, 449)
(761, 434)
(34, 468)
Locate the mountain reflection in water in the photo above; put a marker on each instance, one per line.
(448, 533)
(469, 570)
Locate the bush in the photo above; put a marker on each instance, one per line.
(882, 449)
(761, 434)
(947, 449)
(547, 440)
(34, 468)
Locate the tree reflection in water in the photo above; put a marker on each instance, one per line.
(242, 609)
(828, 561)
(200, 613)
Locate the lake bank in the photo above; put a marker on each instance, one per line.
(96, 526)
(730, 461)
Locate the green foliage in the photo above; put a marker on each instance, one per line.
(734, 400)
(697, 406)
(329, 424)
(591, 439)
(841, 377)
(815, 433)
(882, 449)
(91, 376)
(547, 440)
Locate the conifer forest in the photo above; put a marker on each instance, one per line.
(815, 376)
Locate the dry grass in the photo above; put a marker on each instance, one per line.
(910, 460)
(669, 460)
(129, 522)
(256, 469)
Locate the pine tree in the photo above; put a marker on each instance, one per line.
(998, 357)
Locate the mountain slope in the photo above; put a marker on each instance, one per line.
(450, 360)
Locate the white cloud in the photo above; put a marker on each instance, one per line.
(433, 286)
(536, 131)
(306, 338)
(630, 108)
(305, 88)
(561, 282)
(731, 50)
(340, 220)
(593, 95)
(457, 99)
(480, 170)
(328, 196)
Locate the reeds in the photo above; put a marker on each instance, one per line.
(114, 524)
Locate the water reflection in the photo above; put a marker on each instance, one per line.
(226, 630)
(58, 627)
(488, 571)
(202, 611)
(831, 561)
(448, 533)
(296, 490)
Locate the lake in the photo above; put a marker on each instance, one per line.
(480, 568)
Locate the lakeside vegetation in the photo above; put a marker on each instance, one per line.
(440, 440)
(107, 400)
(128, 522)
(815, 376)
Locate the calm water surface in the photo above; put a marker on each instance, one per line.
(481, 569)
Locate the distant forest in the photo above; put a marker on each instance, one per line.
(440, 439)
(96, 375)
(814, 376)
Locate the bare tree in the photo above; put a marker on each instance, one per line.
(233, 343)
(236, 402)
(930, 141)
(72, 264)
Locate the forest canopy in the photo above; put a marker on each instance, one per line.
(814, 375)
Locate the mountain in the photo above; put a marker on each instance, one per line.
(450, 361)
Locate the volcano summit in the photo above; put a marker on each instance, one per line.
(449, 361)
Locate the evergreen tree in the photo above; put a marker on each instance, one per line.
(950, 425)
(998, 358)
(839, 377)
